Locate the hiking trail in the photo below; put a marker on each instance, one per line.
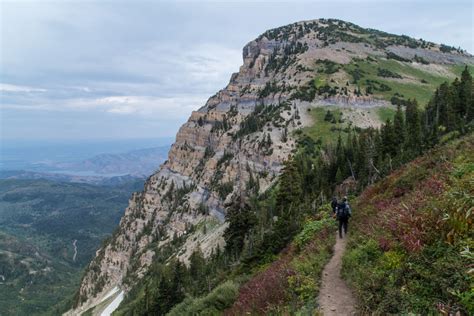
(335, 298)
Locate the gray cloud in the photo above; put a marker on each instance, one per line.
(148, 64)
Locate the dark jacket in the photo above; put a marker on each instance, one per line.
(334, 205)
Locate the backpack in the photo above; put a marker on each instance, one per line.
(343, 211)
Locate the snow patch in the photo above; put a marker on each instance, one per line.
(109, 294)
(113, 305)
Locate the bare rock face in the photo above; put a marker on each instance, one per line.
(242, 134)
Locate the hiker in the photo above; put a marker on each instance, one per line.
(334, 204)
(343, 214)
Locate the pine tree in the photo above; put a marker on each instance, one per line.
(291, 181)
(339, 176)
(162, 299)
(466, 96)
(349, 150)
(413, 127)
(177, 282)
(241, 220)
(389, 142)
(399, 128)
(196, 263)
(361, 159)
(443, 106)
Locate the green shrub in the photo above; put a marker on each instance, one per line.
(310, 229)
(365, 253)
(304, 286)
(392, 260)
(214, 303)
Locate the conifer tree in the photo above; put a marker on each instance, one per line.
(177, 282)
(399, 128)
(241, 219)
(291, 181)
(361, 158)
(413, 127)
(162, 301)
(339, 176)
(466, 96)
(389, 142)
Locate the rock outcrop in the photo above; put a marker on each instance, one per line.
(241, 137)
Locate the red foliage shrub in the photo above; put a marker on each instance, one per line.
(269, 288)
(266, 289)
(433, 186)
(405, 214)
(385, 244)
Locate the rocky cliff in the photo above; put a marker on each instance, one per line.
(239, 140)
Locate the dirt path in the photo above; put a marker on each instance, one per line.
(335, 298)
(74, 244)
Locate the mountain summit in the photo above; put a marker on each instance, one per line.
(237, 143)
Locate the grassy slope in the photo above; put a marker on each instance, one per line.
(414, 88)
(328, 132)
(39, 219)
(322, 130)
(417, 82)
(398, 259)
(385, 114)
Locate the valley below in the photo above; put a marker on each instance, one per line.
(55, 216)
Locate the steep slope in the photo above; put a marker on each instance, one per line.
(239, 140)
(410, 245)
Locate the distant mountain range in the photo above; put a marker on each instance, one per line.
(102, 169)
(61, 177)
(142, 162)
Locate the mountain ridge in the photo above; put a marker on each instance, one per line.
(238, 141)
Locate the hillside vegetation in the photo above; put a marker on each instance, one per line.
(39, 222)
(412, 236)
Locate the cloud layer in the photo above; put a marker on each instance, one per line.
(94, 69)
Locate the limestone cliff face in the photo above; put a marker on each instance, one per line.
(242, 134)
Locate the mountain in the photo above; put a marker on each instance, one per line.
(61, 177)
(140, 162)
(304, 83)
(38, 154)
(49, 231)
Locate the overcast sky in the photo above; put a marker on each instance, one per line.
(136, 69)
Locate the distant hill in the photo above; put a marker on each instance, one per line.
(142, 162)
(60, 177)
